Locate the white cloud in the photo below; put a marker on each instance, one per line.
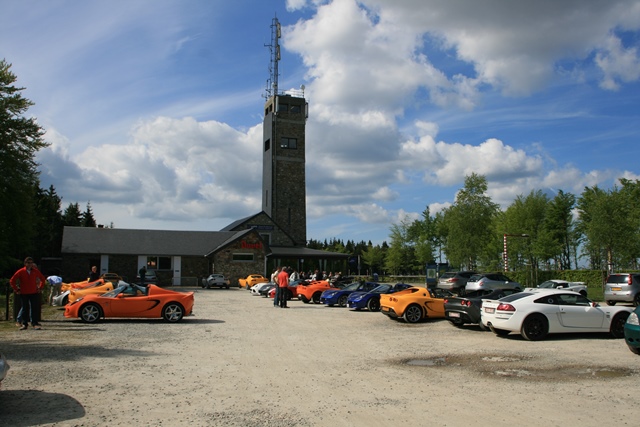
(618, 64)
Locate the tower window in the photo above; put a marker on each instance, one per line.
(267, 145)
(296, 109)
(291, 143)
(283, 108)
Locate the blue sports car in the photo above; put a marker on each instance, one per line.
(335, 296)
(371, 299)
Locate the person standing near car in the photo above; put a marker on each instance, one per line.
(27, 282)
(93, 274)
(143, 274)
(283, 283)
(274, 279)
(55, 282)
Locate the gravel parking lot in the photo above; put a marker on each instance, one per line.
(239, 361)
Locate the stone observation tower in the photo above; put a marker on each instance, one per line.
(283, 161)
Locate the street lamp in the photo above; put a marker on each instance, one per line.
(505, 254)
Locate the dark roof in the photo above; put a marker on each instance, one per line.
(235, 224)
(89, 240)
(300, 252)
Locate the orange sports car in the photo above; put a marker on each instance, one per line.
(414, 304)
(78, 285)
(252, 279)
(128, 300)
(98, 288)
(65, 290)
(311, 291)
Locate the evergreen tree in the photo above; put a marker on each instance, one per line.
(87, 217)
(72, 216)
(20, 139)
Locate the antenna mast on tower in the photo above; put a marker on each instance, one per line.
(274, 48)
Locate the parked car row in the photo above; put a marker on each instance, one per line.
(554, 307)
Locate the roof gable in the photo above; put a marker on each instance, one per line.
(89, 240)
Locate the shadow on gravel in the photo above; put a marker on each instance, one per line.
(22, 408)
(564, 337)
(63, 352)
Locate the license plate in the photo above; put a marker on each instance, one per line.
(489, 310)
(454, 314)
(616, 289)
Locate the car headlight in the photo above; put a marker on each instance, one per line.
(633, 319)
(357, 298)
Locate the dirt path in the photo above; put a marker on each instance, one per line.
(241, 362)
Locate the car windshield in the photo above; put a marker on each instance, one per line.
(352, 287)
(547, 284)
(113, 293)
(381, 289)
(617, 278)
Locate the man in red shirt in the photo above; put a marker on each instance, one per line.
(28, 282)
(283, 282)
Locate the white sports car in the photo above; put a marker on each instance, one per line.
(536, 312)
(255, 289)
(579, 287)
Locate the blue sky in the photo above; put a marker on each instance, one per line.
(154, 108)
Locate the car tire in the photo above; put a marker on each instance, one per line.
(342, 301)
(611, 303)
(617, 324)
(303, 299)
(316, 297)
(412, 314)
(65, 300)
(90, 313)
(373, 305)
(173, 312)
(636, 300)
(482, 327)
(535, 327)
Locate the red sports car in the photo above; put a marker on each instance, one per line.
(129, 300)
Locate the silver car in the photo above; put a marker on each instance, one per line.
(490, 281)
(622, 287)
(454, 281)
(215, 280)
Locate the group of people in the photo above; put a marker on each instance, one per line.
(28, 283)
(320, 275)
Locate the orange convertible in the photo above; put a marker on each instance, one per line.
(100, 287)
(129, 300)
(252, 279)
(414, 304)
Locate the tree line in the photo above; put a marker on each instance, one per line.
(599, 229)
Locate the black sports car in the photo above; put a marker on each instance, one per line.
(466, 309)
